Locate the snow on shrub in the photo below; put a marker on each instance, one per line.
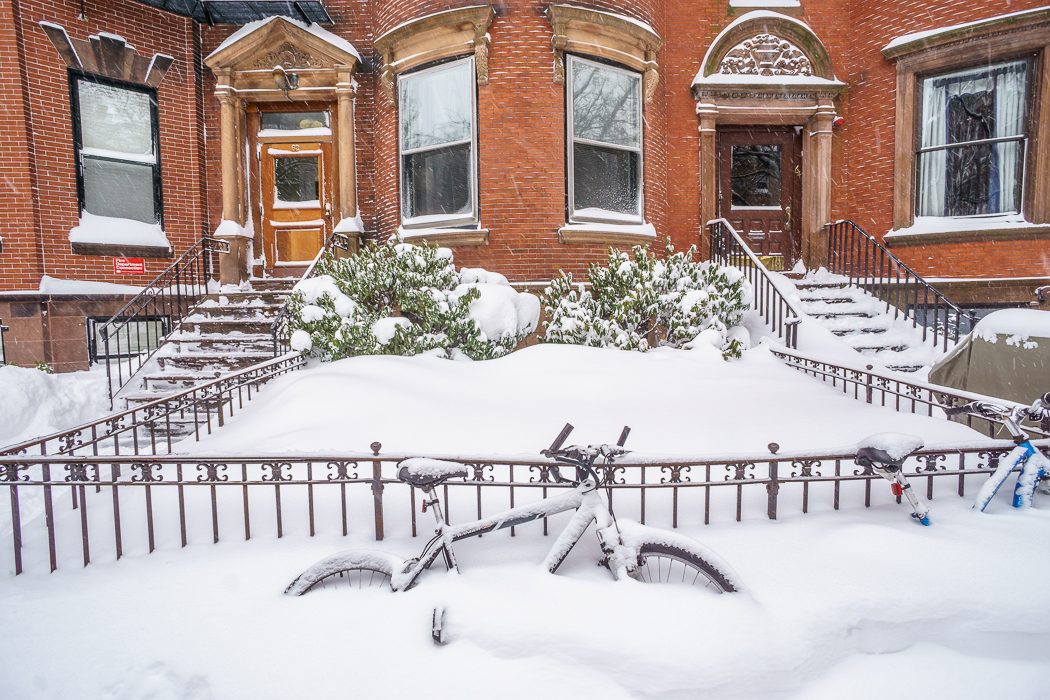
(399, 299)
(640, 300)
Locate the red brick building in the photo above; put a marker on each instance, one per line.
(527, 136)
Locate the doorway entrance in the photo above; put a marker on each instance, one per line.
(760, 189)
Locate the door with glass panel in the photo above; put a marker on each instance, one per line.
(296, 200)
(759, 183)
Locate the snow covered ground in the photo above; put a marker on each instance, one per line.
(855, 604)
(676, 401)
(34, 403)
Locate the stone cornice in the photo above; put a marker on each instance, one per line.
(970, 30)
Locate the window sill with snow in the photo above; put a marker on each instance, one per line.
(458, 237)
(607, 234)
(112, 236)
(937, 229)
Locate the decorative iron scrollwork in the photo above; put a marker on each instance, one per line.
(277, 471)
(478, 471)
(544, 476)
(676, 474)
(211, 472)
(341, 471)
(9, 472)
(931, 462)
(77, 472)
(740, 471)
(608, 472)
(146, 475)
(805, 468)
(71, 441)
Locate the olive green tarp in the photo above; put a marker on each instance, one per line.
(1007, 369)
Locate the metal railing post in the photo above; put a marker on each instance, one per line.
(377, 490)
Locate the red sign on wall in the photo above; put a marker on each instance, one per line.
(129, 266)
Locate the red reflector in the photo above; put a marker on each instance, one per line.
(896, 489)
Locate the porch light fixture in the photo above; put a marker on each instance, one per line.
(285, 81)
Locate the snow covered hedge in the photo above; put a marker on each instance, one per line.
(399, 299)
(640, 300)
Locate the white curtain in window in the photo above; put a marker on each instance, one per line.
(1009, 121)
(1007, 82)
(114, 119)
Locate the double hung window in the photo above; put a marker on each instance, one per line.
(973, 139)
(118, 164)
(605, 142)
(438, 145)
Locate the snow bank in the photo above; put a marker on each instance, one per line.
(56, 286)
(34, 403)
(1020, 326)
(501, 311)
(111, 230)
(676, 401)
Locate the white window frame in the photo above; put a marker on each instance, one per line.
(452, 220)
(572, 141)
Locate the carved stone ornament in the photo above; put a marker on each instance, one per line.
(108, 55)
(766, 55)
(287, 56)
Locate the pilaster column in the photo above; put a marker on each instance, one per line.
(816, 185)
(233, 267)
(708, 114)
(346, 148)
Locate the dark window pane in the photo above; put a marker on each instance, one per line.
(129, 337)
(977, 181)
(437, 182)
(119, 189)
(605, 179)
(290, 121)
(971, 116)
(296, 179)
(755, 175)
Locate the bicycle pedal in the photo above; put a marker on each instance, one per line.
(437, 627)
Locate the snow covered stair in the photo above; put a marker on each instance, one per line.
(226, 332)
(864, 323)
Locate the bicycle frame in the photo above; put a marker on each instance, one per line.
(584, 499)
(1033, 466)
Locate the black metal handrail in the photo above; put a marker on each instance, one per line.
(131, 336)
(778, 312)
(855, 254)
(279, 327)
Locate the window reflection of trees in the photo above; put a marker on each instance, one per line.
(755, 175)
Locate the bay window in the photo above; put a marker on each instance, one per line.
(438, 145)
(973, 141)
(605, 142)
(117, 158)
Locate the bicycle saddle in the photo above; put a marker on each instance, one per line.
(888, 450)
(426, 473)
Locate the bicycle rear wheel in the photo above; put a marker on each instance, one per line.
(666, 563)
(351, 570)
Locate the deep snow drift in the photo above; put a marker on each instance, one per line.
(856, 604)
(676, 401)
(34, 403)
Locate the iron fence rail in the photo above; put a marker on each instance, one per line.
(153, 428)
(858, 256)
(778, 312)
(173, 500)
(903, 395)
(167, 298)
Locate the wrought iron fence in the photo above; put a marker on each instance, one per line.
(153, 428)
(778, 312)
(131, 336)
(902, 395)
(123, 504)
(279, 330)
(856, 255)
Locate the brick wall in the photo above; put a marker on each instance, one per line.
(521, 115)
(39, 176)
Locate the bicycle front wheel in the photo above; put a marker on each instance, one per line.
(667, 563)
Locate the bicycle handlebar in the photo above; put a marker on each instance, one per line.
(558, 441)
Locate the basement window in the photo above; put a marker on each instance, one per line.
(129, 337)
(116, 148)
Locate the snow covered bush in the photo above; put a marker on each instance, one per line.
(640, 300)
(399, 299)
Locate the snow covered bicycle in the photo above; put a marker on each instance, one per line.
(629, 550)
(1034, 467)
(884, 454)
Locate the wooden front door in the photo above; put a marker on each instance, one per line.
(296, 200)
(760, 190)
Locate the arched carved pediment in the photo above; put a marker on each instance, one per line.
(765, 54)
(760, 45)
(289, 56)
